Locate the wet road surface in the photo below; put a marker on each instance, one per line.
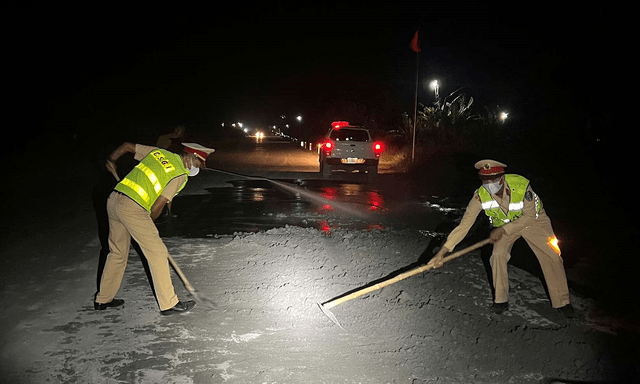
(271, 183)
(253, 205)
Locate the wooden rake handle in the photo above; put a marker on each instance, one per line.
(402, 276)
(182, 276)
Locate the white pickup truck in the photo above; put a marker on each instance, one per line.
(349, 148)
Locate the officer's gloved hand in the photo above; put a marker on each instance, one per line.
(437, 259)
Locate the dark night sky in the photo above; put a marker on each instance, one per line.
(78, 68)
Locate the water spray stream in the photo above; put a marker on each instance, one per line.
(312, 196)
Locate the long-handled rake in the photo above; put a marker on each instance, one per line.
(326, 306)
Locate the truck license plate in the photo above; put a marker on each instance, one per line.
(352, 160)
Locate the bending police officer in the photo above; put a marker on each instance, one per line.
(137, 200)
(515, 211)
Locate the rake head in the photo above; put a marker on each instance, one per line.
(330, 315)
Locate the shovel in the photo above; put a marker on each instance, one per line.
(324, 307)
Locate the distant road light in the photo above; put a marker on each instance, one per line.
(436, 87)
(503, 116)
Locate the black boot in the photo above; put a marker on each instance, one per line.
(112, 304)
(179, 308)
(499, 308)
(567, 311)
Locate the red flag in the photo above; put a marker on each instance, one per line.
(415, 47)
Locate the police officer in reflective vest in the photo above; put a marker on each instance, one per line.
(136, 201)
(515, 211)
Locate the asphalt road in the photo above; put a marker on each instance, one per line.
(424, 329)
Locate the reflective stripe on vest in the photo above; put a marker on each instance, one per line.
(145, 183)
(512, 206)
(518, 187)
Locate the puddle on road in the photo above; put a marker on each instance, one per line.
(257, 205)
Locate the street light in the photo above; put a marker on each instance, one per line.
(503, 116)
(435, 86)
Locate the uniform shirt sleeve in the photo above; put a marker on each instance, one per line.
(529, 214)
(171, 190)
(468, 219)
(142, 151)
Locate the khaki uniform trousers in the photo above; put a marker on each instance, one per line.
(537, 236)
(127, 219)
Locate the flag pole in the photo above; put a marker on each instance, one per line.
(415, 46)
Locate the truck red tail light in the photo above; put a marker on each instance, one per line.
(378, 148)
(327, 147)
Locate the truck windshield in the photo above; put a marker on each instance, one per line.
(346, 134)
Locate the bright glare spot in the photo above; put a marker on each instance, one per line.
(553, 242)
(503, 116)
(434, 84)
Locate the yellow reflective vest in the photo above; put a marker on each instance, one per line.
(518, 187)
(145, 183)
